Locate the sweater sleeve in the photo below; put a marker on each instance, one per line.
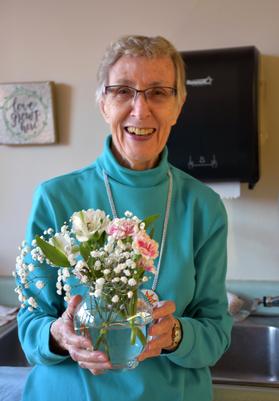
(34, 326)
(206, 322)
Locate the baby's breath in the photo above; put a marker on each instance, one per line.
(110, 256)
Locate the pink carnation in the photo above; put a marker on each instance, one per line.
(122, 228)
(145, 246)
(147, 265)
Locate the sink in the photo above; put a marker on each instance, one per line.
(253, 357)
(11, 353)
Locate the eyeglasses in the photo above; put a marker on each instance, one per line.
(124, 94)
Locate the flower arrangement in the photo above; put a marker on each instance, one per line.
(110, 256)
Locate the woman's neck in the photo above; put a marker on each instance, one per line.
(134, 164)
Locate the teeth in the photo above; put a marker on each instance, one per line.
(140, 131)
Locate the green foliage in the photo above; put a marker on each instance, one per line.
(150, 220)
(85, 250)
(53, 254)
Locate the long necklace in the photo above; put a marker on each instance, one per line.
(150, 294)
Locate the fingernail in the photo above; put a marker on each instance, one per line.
(108, 365)
(102, 358)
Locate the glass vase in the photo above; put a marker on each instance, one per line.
(120, 331)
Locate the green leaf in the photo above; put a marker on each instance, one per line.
(150, 219)
(84, 250)
(102, 238)
(95, 237)
(53, 254)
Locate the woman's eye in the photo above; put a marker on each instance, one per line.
(124, 91)
(158, 92)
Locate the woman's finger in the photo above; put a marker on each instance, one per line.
(161, 326)
(68, 314)
(75, 340)
(97, 372)
(94, 360)
(163, 308)
(161, 333)
(62, 330)
(155, 346)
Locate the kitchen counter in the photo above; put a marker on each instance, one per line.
(244, 393)
(224, 388)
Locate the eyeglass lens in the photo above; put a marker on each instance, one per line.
(123, 94)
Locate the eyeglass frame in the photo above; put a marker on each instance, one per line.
(138, 91)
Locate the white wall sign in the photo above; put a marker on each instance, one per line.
(26, 113)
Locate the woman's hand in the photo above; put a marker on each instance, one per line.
(63, 340)
(161, 330)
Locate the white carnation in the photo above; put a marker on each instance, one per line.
(88, 222)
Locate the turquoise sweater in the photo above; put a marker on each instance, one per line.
(192, 274)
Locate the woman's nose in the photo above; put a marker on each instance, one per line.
(140, 106)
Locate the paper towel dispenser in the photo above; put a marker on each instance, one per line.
(216, 135)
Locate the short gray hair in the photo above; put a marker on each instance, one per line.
(136, 45)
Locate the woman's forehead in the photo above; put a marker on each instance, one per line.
(129, 70)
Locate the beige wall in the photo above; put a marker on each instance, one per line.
(63, 40)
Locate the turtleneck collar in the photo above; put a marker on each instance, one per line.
(133, 178)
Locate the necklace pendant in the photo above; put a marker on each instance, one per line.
(151, 296)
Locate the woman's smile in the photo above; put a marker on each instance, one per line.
(140, 131)
(140, 134)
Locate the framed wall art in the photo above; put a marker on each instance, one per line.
(27, 113)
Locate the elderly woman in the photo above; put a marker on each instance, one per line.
(141, 90)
